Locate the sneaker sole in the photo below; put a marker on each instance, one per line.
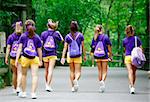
(132, 92)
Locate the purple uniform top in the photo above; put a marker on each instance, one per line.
(24, 40)
(79, 39)
(13, 37)
(57, 37)
(106, 41)
(13, 42)
(129, 44)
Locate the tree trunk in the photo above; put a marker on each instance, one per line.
(148, 16)
(111, 4)
(100, 13)
(118, 31)
(133, 9)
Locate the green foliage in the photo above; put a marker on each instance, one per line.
(114, 15)
(1, 82)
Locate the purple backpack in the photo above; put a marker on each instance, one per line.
(30, 49)
(74, 49)
(99, 49)
(49, 44)
(137, 57)
(14, 49)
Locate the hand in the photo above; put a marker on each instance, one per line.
(84, 58)
(16, 63)
(62, 61)
(40, 64)
(6, 61)
(110, 59)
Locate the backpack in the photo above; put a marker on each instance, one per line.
(14, 49)
(49, 44)
(137, 57)
(99, 51)
(30, 49)
(74, 49)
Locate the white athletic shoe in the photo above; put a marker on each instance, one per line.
(22, 94)
(48, 88)
(76, 85)
(72, 89)
(102, 86)
(132, 90)
(33, 96)
(18, 90)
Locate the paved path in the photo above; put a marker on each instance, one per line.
(116, 88)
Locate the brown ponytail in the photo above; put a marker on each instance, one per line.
(30, 27)
(73, 27)
(31, 31)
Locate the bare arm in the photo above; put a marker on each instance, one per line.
(64, 52)
(7, 53)
(110, 53)
(84, 51)
(142, 48)
(39, 50)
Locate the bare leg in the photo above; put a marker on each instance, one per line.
(99, 64)
(46, 64)
(14, 78)
(24, 78)
(34, 72)
(134, 74)
(104, 70)
(92, 57)
(130, 74)
(50, 71)
(77, 70)
(72, 72)
(19, 76)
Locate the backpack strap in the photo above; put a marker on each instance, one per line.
(135, 41)
(102, 37)
(75, 37)
(70, 37)
(52, 33)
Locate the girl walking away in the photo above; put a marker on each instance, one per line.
(102, 46)
(12, 46)
(74, 41)
(49, 39)
(30, 46)
(129, 44)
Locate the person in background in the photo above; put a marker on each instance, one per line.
(92, 56)
(12, 46)
(74, 42)
(129, 44)
(49, 38)
(31, 47)
(102, 46)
